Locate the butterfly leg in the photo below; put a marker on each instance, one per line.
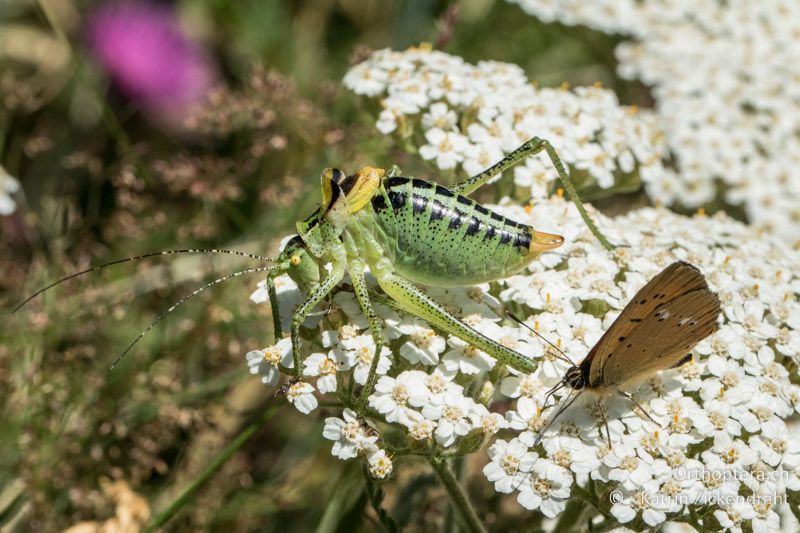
(628, 396)
(555, 416)
(604, 420)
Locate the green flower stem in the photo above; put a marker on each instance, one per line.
(461, 505)
(211, 469)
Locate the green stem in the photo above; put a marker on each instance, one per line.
(211, 469)
(462, 506)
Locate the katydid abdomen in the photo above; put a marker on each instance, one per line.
(436, 237)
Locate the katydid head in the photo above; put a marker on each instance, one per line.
(341, 197)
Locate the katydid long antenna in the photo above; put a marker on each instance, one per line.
(517, 319)
(136, 258)
(183, 300)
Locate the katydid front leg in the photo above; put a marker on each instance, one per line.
(412, 300)
(300, 314)
(532, 147)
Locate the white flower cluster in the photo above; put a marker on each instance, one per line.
(725, 77)
(723, 442)
(472, 115)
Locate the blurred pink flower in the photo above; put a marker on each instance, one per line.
(142, 47)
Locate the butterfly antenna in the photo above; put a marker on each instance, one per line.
(136, 258)
(519, 320)
(555, 416)
(184, 299)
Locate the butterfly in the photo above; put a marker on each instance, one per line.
(656, 330)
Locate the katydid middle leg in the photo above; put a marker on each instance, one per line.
(532, 147)
(356, 268)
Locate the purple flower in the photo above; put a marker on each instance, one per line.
(141, 46)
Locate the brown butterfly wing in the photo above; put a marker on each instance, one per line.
(664, 338)
(675, 280)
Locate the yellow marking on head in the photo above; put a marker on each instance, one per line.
(325, 179)
(368, 179)
(295, 260)
(560, 192)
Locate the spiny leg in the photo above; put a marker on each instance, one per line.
(274, 305)
(356, 269)
(628, 396)
(300, 314)
(531, 147)
(412, 300)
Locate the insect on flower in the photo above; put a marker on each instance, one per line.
(405, 231)
(655, 331)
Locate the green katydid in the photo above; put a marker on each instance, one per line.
(405, 231)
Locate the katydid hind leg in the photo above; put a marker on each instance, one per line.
(532, 147)
(412, 300)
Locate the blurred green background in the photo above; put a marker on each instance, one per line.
(103, 179)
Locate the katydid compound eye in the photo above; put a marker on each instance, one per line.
(295, 260)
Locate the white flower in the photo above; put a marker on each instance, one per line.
(424, 345)
(451, 413)
(510, 465)
(359, 354)
(641, 500)
(267, 362)
(301, 395)
(350, 438)
(465, 358)
(547, 488)
(444, 146)
(392, 397)
(319, 364)
(380, 465)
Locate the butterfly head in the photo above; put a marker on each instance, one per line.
(575, 378)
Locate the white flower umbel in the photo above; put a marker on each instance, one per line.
(724, 77)
(721, 417)
(471, 115)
